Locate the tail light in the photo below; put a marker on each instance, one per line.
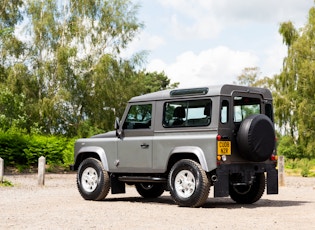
(274, 157)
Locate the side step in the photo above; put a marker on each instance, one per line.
(142, 179)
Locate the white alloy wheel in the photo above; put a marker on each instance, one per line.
(185, 183)
(89, 179)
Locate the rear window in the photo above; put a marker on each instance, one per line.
(245, 106)
(187, 113)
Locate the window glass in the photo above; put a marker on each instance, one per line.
(245, 106)
(139, 117)
(224, 112)
(187, 113)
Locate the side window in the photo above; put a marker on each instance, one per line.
(224, 112)
(268, 111)
(139, 117)
(187, 113)
(245, 106)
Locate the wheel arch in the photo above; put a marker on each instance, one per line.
(91, 151)
(187, 152)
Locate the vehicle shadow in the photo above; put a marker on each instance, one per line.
(212, 202)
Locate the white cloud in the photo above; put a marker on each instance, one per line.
(234, 35)
(213, 66)
(207, 18)
(144, 41)
(273, 61)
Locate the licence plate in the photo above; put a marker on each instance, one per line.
(224, 147)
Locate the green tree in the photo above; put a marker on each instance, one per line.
(251, 77)
(295, 102)
(65, 65)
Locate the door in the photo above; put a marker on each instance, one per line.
(135, 145)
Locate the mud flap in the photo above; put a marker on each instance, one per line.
(272, 182)
(221, 186)
(116, 185)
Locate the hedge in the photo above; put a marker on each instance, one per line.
(18, 149)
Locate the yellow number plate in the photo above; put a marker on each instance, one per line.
(224, 147)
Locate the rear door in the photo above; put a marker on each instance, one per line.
(243, 105)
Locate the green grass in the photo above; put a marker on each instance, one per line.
(6, 183)
(300, 167)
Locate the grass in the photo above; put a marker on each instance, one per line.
(300, 167)
(6, 183)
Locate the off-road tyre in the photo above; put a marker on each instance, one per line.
(188, 183)
(256, 138)
(150, 190)
(248, 194)
(93, 181)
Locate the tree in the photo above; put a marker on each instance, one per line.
(295, 85)
(65, 64)
(251, 77)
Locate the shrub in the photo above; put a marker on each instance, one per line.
(12, 147)
(305, 167)
(288, 148)
(21, 150)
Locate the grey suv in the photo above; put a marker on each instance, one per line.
(185, 141)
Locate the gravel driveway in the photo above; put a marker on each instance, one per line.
(58, 205)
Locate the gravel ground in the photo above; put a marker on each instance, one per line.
(58, 205)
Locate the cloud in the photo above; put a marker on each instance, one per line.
(207, 18)
(143, 42)
(274, 55)
(210, 67)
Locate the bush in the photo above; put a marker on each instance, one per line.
(288, 148)
(305, 167)
(12, 147)
(21, 150)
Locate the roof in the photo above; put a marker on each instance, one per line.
(216, 90)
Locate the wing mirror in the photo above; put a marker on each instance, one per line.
(117, 128)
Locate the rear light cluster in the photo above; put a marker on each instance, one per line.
(274, 157)
(221, 156)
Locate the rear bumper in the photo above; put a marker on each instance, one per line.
(247, 171)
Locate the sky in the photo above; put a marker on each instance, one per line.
(210, 42)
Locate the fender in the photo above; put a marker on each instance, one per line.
(197, 151)
(99, 151)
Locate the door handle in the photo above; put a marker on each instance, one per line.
(144, 146)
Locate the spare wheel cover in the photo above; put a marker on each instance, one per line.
(256, 138)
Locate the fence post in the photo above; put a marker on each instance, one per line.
(281, 170)
(41, 170)
(1, 169)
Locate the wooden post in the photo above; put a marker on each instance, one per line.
(281, 170)
(41, 170)
(1, 169)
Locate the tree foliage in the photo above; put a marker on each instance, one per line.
(296, 100)
(61, 66)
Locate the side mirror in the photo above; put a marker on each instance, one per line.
(117, 128)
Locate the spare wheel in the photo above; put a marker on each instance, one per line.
(256, 138)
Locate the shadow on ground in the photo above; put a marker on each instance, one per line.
(213, 202)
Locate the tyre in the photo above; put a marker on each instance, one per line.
(92, 180)
(256, 138)
(148, 190)
(248, 194)
(188, 183)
